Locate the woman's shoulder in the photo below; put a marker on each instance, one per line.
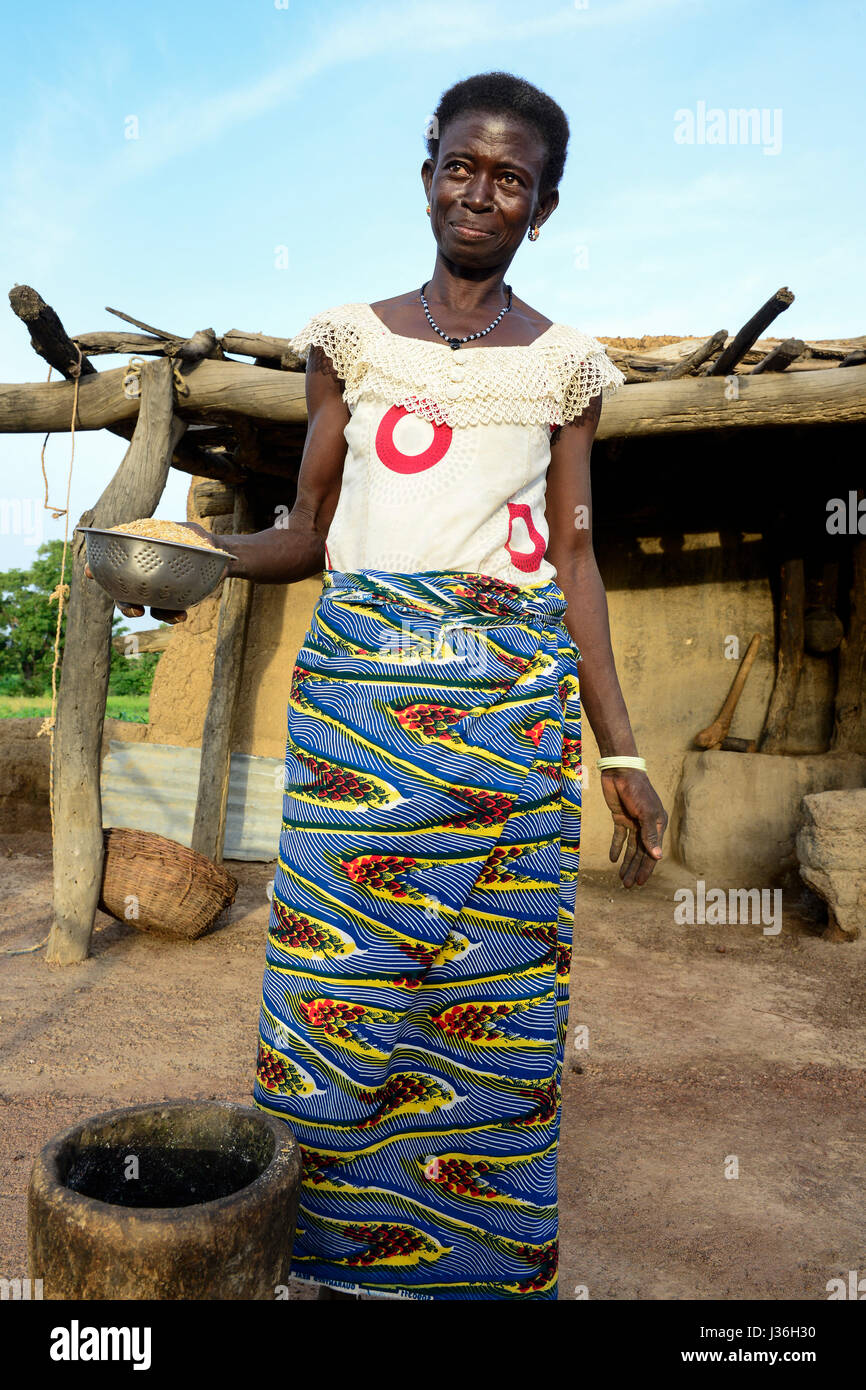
(341, 332)
(581, 367)
(555, 336)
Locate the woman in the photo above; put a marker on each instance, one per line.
(416, 987)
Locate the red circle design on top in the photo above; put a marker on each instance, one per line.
(395, 459)
(528, 561)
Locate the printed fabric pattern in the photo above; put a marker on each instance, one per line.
(415, 993)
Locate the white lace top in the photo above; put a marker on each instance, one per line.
(448, 451)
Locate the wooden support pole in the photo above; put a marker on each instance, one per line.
(789, 656)
(134, 491)
(208, 835)
(849, 727)
(228, 391)
(217, 390)
(213, 499)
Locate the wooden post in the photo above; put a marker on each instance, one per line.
(213, 499)
(208, 835)
(134, 491)
(789, 657)
(849, 727)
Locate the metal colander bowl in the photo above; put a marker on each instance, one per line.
(159, 574)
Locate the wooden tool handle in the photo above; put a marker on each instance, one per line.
(712, 736)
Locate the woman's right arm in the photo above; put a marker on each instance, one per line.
(294, 548)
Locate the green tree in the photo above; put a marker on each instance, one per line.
(28, 622)
(132, 675)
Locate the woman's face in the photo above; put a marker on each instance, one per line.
(483, 189)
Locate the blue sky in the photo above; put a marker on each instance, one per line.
(296, 125)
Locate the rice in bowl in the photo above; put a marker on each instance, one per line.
(148, 528)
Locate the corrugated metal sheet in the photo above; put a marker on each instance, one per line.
(153, 786)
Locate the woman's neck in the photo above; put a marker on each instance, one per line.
(466, 292)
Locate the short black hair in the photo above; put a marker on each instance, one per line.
(503, 93)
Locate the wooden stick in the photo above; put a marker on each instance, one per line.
(835, 347)
(712, 736)
(48, 337)
(101, 343)
(690, 364)
(208, 835)
(263, 345)
(739, 745)
(849, 725)
(780, 357)
(258, 345)
(789, 658)
(213, 499)
(204, 343)
(137, 323)
(750, 332)
(133, 492)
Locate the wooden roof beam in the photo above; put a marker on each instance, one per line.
(751, 332)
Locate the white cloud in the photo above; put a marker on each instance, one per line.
(54, 177)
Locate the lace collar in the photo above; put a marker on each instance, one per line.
(546, 382)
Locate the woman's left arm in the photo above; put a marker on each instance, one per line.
(638, 814)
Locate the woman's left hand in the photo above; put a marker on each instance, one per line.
(639, 818)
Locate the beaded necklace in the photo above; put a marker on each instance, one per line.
(454, 343)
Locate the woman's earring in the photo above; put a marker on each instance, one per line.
(533, 233)
(428, 209)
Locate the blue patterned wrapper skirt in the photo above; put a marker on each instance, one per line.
(415, 994)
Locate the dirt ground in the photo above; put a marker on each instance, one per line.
(706, 1044)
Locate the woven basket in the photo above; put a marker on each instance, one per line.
(162, 887)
